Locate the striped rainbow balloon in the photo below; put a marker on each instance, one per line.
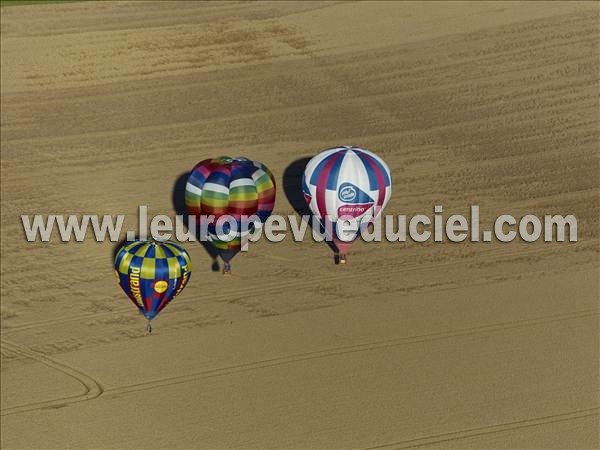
(232, 187)
(350, 183)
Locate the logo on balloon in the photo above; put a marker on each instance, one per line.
(347, 193)
(359, 201)
(353, 211)
(161, 286)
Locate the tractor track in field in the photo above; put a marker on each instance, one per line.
(277, 286)
(488, 429)
(94, 390)
(368, 346)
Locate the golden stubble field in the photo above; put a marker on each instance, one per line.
(106, 106)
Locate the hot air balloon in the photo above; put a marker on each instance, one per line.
(348, 183)
(151, 274)
(233, 187)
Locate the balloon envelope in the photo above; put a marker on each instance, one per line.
(346, 188)
(233, 187)
(152, 273)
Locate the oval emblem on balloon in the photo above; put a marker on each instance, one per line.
(347, 194)
(161, 286)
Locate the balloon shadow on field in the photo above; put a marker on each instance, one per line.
(292, 187)
(178, 199)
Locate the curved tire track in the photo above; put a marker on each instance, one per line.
(92, 388)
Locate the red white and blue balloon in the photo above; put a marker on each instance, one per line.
(348, 183)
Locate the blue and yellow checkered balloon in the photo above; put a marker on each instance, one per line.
(152, 273)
